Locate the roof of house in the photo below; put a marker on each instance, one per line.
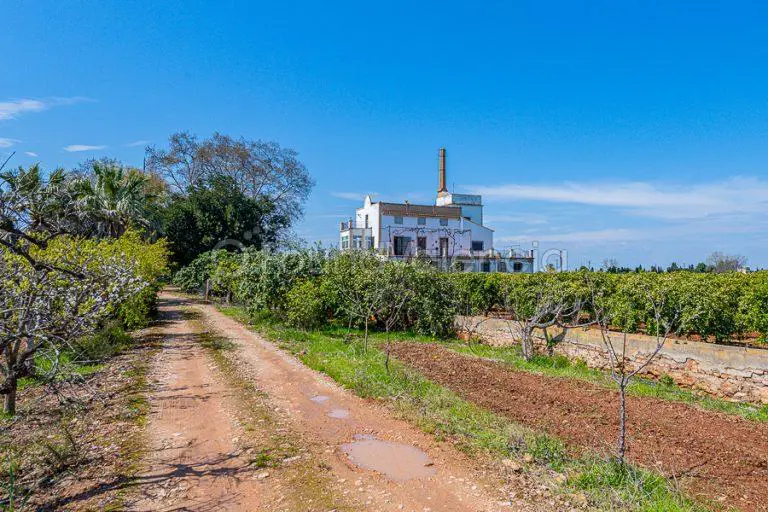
(420, 210)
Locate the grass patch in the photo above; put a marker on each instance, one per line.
(439, 411)
(612, 483)
(213, 342)
(561, 366)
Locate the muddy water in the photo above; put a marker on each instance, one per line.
(397, 461)
(319, 399)
(339, 414)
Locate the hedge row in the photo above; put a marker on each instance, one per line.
(714, 306)
(311, 287)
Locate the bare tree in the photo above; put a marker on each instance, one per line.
(664, 320)
(539, 306)
(609, 264)
(260, 169)
(178, 164)
(720, 262)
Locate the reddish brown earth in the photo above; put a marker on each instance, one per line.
(713, 455)
(358, 456)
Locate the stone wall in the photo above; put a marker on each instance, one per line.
(735, 373)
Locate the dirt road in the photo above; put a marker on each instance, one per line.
(194, 463)
(208, 449)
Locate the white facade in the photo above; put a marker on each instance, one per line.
(451, 231)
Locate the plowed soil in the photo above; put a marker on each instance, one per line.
(714, 456)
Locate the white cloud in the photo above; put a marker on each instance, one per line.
(531, 220)
(10, 109)
(596, 236)
(75, 148)
(689, 231)
(6, 142)
(137, 143)
(353, 196)
(30, 153)
(13, 108)
(666, 201)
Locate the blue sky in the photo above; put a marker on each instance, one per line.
(636, 131)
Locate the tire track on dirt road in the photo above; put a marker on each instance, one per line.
(193, 463)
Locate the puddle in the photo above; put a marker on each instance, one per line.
(396, 461)
(319, 399)
(339, 414)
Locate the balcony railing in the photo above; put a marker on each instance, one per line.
(346, 226)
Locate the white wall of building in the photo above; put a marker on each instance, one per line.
(460, 233)
(376, 231)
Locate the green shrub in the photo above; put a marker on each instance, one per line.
(262, 280)
(107, 342)
(666, 381)
(433, 308)
(136, 312)
(306, 305)
(753, 307)
(192, 277)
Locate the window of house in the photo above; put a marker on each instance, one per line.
(443, 222)
(357, 241)
(345, 242)
(517, 266)
(502, 266)
(422, 221)
(366, 221)
(369, 242)
(401, 245)
(486, 266)
(421, 243)
(477, 245)
(398, 220)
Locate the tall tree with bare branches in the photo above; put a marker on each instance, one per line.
(261, 169)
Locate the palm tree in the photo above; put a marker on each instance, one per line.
(115, 198)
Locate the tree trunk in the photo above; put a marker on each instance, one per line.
(389, 347)
(621, 446)
(550, 344)
(10, 398)
(527, 345)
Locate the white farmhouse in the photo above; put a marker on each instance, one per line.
(450, 233)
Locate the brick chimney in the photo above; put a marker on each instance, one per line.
(441, 188)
